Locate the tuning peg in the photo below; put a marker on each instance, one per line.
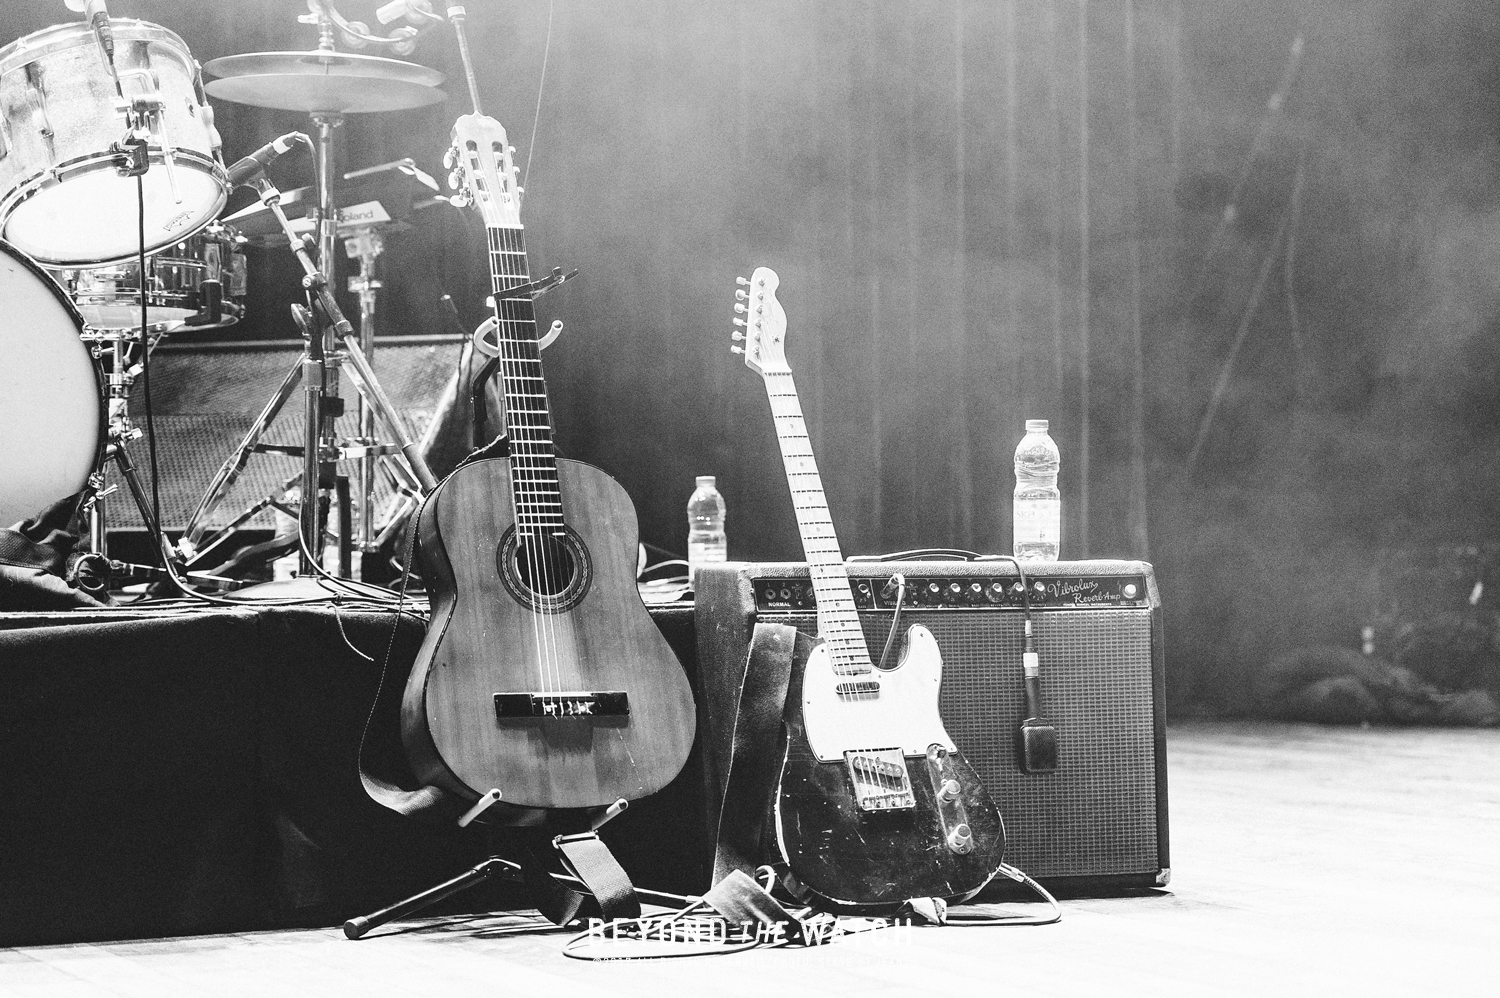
(738, 322)
(511, 150)
(736, 336)
(741, 280)
(736, 349)
(740, 295)
(450, 157)
(738, 307)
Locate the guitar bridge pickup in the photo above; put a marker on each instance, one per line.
(578, 703)
(880, 780)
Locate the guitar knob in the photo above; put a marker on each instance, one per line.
(961, 840)
(950, 790)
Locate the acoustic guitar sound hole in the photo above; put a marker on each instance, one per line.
(549, 571)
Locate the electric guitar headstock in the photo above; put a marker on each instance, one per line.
(483, 170)
(764, 323)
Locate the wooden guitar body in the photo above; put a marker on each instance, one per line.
(866, 861)
(558, 645)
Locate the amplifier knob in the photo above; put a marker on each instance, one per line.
(1017, 588)
(955, 592)
(995, 593)
(1130, 591)
(934, 592)
(976, 592)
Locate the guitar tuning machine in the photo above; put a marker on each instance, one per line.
(741, 280)
(741, 295)
(450, 157)
(739, 307)
(738, 322)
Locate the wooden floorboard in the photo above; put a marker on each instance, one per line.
(1305, 860)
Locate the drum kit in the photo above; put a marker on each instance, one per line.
(112, 184)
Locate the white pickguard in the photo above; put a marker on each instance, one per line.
(904, 713)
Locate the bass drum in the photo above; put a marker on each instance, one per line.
(51, 409)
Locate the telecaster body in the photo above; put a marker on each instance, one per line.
(859, 860)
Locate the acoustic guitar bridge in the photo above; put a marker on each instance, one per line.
(613, 703)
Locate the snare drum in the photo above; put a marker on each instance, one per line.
(176, 294)
(51, 411)
(62, 198)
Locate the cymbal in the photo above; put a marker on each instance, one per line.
(320, 82)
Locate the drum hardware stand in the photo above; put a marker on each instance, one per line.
(121, 431)
(319, 452)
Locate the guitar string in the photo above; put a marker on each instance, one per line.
(540, 456)
(528, 484)
(844, 634)
(524, 517)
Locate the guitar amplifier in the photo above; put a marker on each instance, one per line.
(1098, 822)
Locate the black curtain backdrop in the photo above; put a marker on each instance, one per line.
(1242, 255)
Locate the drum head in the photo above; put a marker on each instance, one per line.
(51, 421)
(92, 217)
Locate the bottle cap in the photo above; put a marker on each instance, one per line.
(705, 481)
(1036, 426)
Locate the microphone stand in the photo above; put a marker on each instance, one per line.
(314, 366)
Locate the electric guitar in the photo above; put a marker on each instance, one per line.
(875, 804)
(542, 676)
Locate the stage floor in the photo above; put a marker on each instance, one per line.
(1306, 860)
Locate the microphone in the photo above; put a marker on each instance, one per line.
(400, 8)
(244, 169)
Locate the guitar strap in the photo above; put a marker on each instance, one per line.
(755, 756)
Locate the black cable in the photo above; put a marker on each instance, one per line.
(899, 581)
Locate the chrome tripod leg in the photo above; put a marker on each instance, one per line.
(232, 468)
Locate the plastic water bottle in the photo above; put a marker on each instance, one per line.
(1037, 510)
(707, 542)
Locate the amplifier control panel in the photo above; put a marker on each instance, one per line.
(952, 592)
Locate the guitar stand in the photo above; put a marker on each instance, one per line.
(583, 857)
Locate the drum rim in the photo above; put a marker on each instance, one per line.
(93, 162)
(40, 43)
(102, 434)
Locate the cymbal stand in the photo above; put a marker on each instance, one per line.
(366, 245)
(319, 451)
(316, 364)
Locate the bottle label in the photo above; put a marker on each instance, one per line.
(1038, 520)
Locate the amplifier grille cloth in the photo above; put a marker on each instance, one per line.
(1096, 815)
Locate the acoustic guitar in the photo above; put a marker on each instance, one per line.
(875, 804)
(542, 676)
